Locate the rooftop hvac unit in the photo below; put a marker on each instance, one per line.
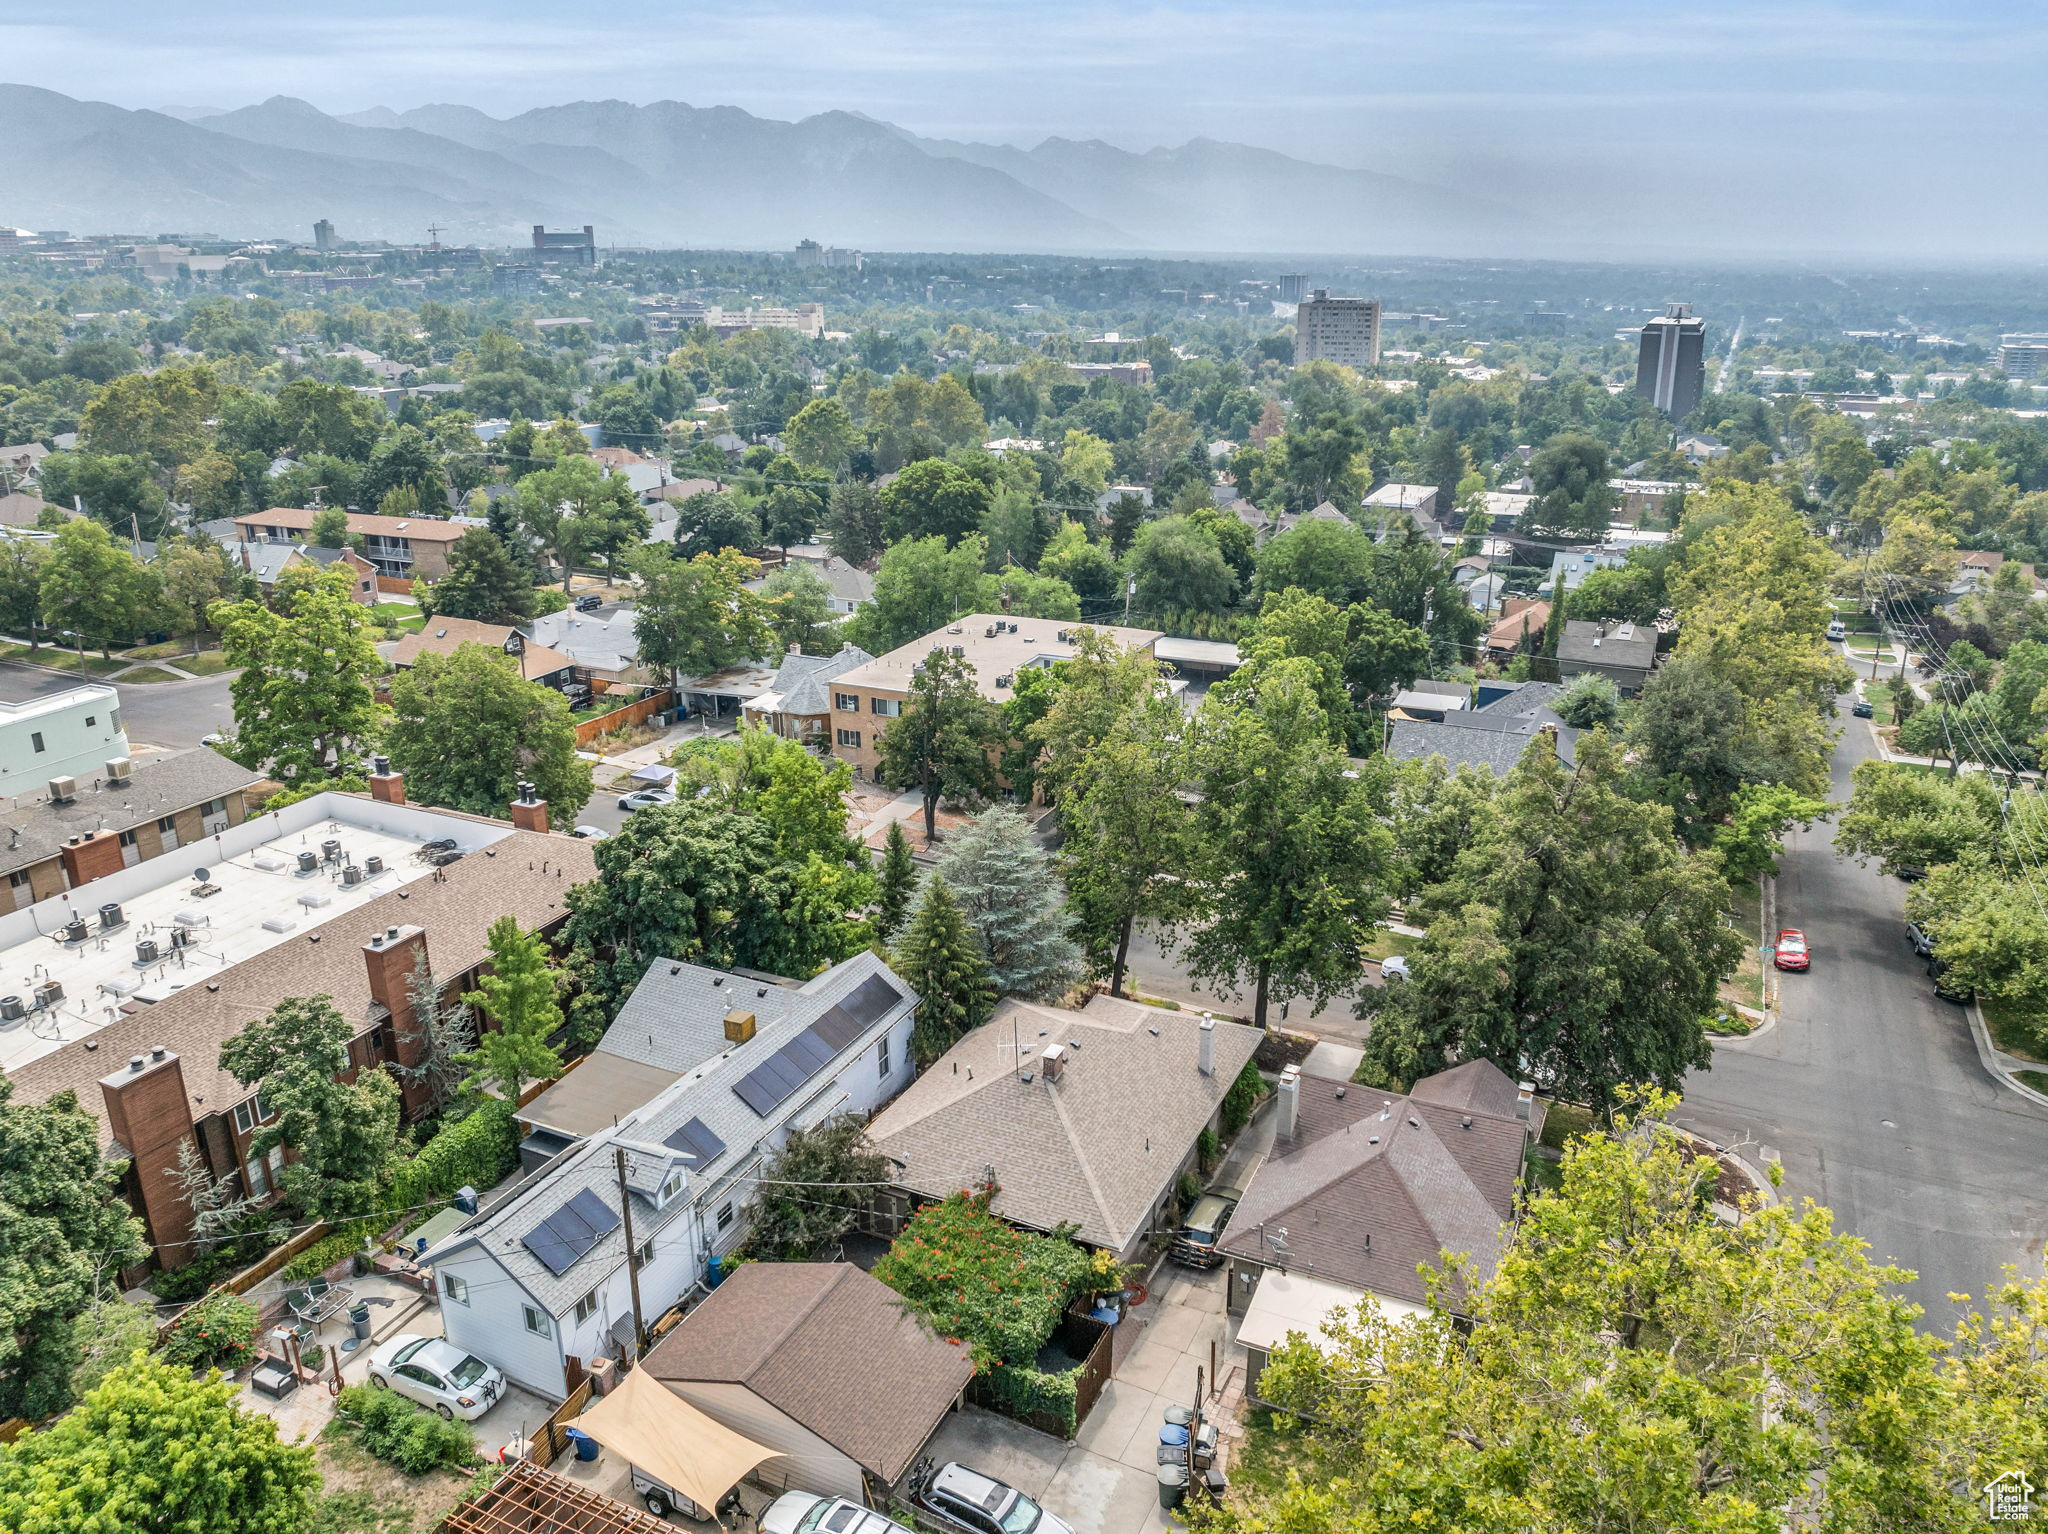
(63, 790)
(739, 1026)
(12, 1009)
(959, 650)
(330, 851)
(308, 863)
(119, 770)
(372, 867)
(49, 993)
(146, 952)
(351, 875)
(110, 916)
(75, 930)
(181, 937)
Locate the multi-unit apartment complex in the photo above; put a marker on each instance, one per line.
(2023, 358)
(1345, 330)
(399, 547)
(996, 647)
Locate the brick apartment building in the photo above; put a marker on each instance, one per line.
(996, 648)
(398, 547)
(341, 895)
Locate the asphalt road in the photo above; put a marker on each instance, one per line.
(171, 715)
(1870, 1091)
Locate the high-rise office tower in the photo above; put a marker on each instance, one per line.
(1345, 330)
(1293, 287)
(1671, 368)
(323, 235)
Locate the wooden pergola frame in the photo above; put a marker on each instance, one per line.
(529, 1500)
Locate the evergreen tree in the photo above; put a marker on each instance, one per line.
(484, 582)
(898, 884)
(518, 992)
(941, 960)
(1008, 890)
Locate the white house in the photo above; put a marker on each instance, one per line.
(538, 1283)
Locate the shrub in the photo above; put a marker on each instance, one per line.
(1208, 1147)
(392, 1428)
(477, 1151)
(1243, 1096)
(1028, 1392)
(216, 1332)
(344, 1241)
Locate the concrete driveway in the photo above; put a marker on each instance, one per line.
(1869, 1089)
(1106, 1481)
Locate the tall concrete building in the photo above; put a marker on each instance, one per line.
(2023, 359)
(1671, 368)
(1345, 330)
(323, 235)
(1293, 287)
(570, 247)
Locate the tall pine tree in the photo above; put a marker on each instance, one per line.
(941, 959)
(1010, 894)
(898, 884)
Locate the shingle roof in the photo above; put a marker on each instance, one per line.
(1476, 738)
(444, 636)
(159, 786)
(1098, 1148)
(1418, 1177)
(828, 1345)
(704, 1093)
(418, 529)
(1626, 644)
(801, 679)
(194, 1023)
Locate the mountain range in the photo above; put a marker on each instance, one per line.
(670, 174)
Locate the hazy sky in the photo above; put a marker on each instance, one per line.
(1850, 125)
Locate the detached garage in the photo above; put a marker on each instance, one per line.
(821, 1364)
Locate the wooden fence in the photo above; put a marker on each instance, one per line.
(552, 1441)
(394, 585)
(589, 729)
(1081, 1336)
(248, 1278)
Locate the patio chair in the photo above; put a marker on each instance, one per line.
(299, 1301)
(273, 1377)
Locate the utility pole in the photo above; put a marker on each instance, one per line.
(1130, 590)
(632, 1254)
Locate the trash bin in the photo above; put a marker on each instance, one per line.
(1179, 1416)
(1173, 1486)
(1174, 1433)
(586, 1446)
(359, 1322)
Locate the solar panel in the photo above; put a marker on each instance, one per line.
(870, 999)
(784, 1072)
(837, 1028)
(756, 1094)
(806, 1052)
(697, 1142)
(572, 1230)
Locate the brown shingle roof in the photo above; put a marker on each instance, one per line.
(1417, 1177)
(504, 879)
(418, 529)
(828, 1345)
(444, 636)
(1097, 1149)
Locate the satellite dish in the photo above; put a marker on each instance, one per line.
(199, 876)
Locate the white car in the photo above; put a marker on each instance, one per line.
(590, 833)
(1838, 630)
(436, 1373)
(1394, 967)
(805, 1512)
(645, 798)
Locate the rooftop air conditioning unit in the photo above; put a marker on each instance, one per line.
(119, 770)
(63, 790)
(739, 1026)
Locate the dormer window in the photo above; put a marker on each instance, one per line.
(670, 1188)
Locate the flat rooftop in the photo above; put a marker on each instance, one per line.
(1023, 642)
(171, 930)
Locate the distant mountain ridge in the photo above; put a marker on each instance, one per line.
(672, 174)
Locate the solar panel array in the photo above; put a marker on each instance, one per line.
(778, 1077)
(697, 1142)
(572, 1230)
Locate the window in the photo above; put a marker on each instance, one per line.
(537, 1321)
(36, 740)
(18, 878)
(646, 1253)
(245, 1116)
(259, 1179)
(849, 738)
(263, 1110)
(166, 823)
(456, 1289)
(725, 1216)
(586, 1307)
(671, 1188)
(214, 807)
(882, 1058)
(90, 721)
(846, 702)
(888, 708)
(127, 838)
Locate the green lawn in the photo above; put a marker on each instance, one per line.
(149, 674)
(1388, 944)
(1879, 697)
(2038, 1080)
(2015, 1030)
(1275, 1442)
(71, 660)
(1745, 914)
(1563, 1121)
(206, 663)
(170, 649)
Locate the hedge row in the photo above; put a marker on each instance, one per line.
(477, 1151)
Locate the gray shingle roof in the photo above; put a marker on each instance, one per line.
(815, 1340)
(801, 679)
(1493, 737)
(704, 1093)
(1099, 1148)
(1419, 1177)
(1626, 644)
(159, 786)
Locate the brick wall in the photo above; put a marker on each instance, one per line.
(148, 1112)
(91, 857)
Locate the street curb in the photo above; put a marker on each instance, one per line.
(1982, 1035)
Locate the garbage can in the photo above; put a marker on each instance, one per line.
(586, 1446)
(359, 1322)
(1174, 1433)
(1179, 1416)
(1173, 1486)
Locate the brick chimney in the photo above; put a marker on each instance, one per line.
(392, 956)
(149, 1114)
(91, 856)
(529, 811)
(385, 784)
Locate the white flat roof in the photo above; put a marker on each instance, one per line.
(261, 898)
(58, 702)
(1293, 1302)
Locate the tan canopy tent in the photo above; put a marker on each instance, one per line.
(657, 1431)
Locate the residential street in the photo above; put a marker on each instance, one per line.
(172, 715)
(1869, 1088)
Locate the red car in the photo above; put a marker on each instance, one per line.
(1791, 949)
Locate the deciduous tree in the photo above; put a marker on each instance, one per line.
(303, 704)
(519, 991)
(942, 740)
(695, 615)
(466, 729)
(484, 582)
